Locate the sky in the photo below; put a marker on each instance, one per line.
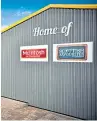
(14, 10)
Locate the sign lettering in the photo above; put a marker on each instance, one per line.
(33, 53)
(72, 52)
(64, 30)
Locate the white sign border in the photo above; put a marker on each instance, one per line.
(89, 54)
(35, 59)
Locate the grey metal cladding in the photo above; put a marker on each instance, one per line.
(68, 88)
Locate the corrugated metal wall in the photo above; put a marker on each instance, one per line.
(68, 88)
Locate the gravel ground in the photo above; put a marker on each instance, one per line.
(15, 110)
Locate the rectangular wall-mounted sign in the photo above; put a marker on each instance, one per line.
(34, 53)
(73, 52)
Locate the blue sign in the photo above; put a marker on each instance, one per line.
(72, 52)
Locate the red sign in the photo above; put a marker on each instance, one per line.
(33, 53)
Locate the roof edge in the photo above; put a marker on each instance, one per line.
(72, 6)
